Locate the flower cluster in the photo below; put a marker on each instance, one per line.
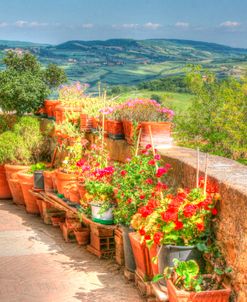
(180, 219)
(141, 110)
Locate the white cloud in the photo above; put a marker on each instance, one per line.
(151, 25)
(3, 24)
(131, 25)
(21, 24)
(230, 24)
(182, 24)
(87, 25)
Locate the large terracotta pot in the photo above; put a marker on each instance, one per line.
(142, 260)
(82, 236)
(115, 129)
(82, 190)
(50, 106)
(153, 251)
(175, 295)
(61, 111)
(48, 183)
(5, 192)
(161, 133)
(62, 179)
(74, 195)
(129, 131)
(27, 181)
(14, 185)
(16, 191)
(11, 170)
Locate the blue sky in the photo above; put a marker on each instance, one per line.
(56, 21)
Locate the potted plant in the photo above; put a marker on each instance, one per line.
(185, 283)
(137, 183)
(147, 114)
(178, 224)
(72, 98)
(114, 123)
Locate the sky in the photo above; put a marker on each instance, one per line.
(57, 21)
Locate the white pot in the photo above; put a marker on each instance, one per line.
(107, 215)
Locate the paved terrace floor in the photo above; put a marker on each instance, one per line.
(36, 265)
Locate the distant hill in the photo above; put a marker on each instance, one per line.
(128, 62)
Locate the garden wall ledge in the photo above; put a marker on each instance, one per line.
(231, 226)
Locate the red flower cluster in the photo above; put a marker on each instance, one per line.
(100, 173)
(148, 209)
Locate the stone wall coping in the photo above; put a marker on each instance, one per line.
(222, 169)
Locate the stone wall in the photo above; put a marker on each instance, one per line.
(231, 227)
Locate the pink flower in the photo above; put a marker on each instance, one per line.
(149, 146)
(161, 171)
(157, 157)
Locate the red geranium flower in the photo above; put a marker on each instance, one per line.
(151, 162)
(142, 197)
(149, 181)
(200, 226)
(157, 237)
(214, 211)
(189, 210)
(123, 172)
(171, 214)
(161, 171)
(147, 237)
(179, 225)
(157, 157)
(149, 146)
(142, 232)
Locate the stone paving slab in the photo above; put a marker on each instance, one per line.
(36, 265)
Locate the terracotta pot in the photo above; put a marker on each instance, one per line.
(142, 260)
(48, 183)
(55, 220)
(11, 170)
(50, 106)
(5, 192)
(85, 122)
(161, 133)
(82, 190)
(73, 223)
(153, 251)
(82, 236)
(115, 129)
(119, 251)
(16, 191)
(30, 200)
(74, 195)
(176, 295)
(62, 179)
(61, 112)
(129, 131)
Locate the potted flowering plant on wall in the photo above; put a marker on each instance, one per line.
(185, 283)
(114, 123)
(179, 224)
(147, 114)
(136, 184)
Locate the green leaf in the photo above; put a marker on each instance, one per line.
(158, 277)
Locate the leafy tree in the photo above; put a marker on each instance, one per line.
(217, 119)
(24, 85)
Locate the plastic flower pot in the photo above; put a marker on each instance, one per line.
(141, 255)
(115, 129)
(167, 253)
(39, 180)
(176, 295)
(128, 251)
(5, 192)
(103, 218)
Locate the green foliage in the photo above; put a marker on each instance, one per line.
(54, 76)
(24, 144)
(171, 83)
(185, 275)
(38, 167)
(24, 85)
(13, 149)
(217, 118)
